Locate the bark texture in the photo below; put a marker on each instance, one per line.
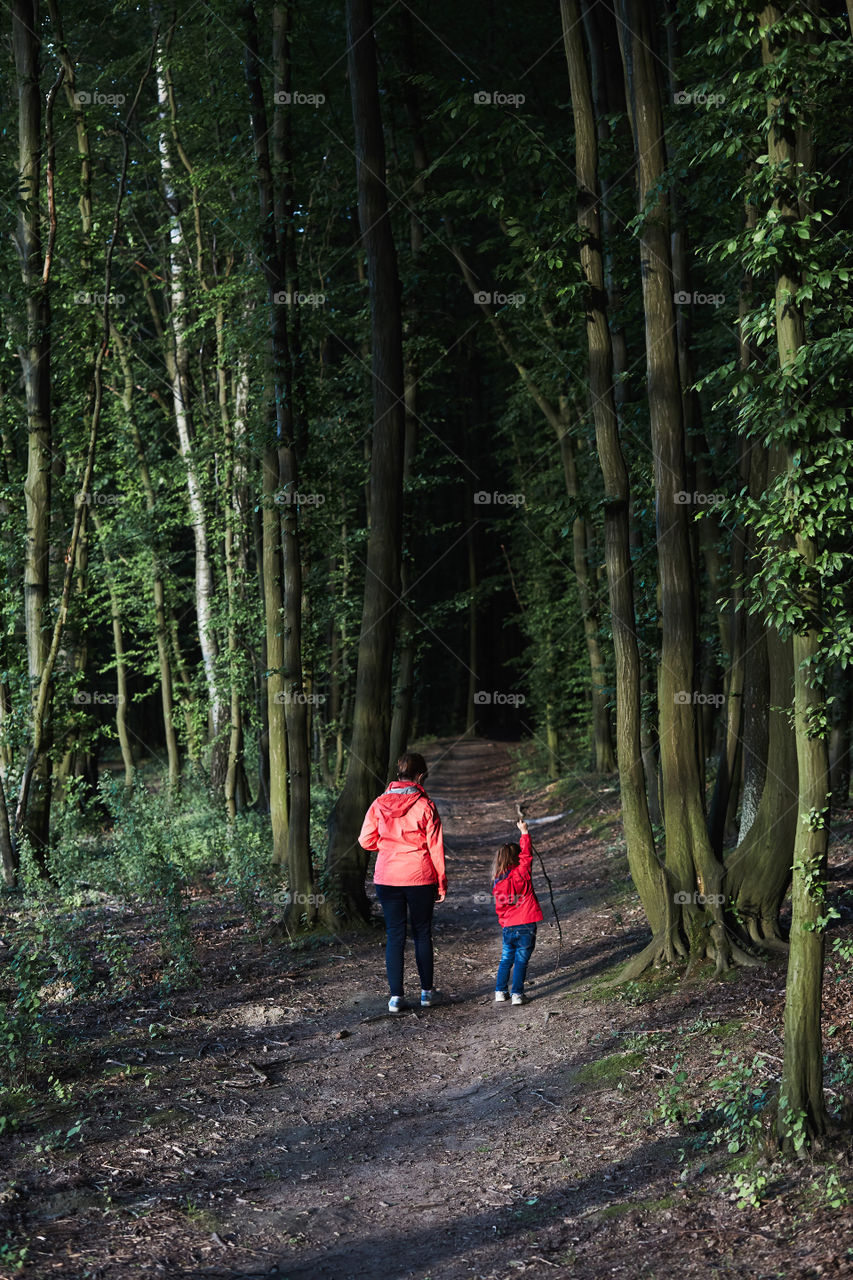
(368, 760)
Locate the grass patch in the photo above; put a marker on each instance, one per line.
(614, 1211)
(644, 990)
(611, 1067)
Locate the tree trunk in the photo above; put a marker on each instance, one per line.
(401, 715)
(177, 364)
(690, 861)
(839, 736)
(731, 768)
(366, 772)
(235, 738)
(645, 869)
(122, 697)
(407, 636)
(802, 1113)
(604, 760)
(758, 872)
(286, 355)
(288, 644)
(273, 625)
(34, 354)
(158, 588)
(8, 855)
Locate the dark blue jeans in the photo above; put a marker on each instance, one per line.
(518, 943)
(416, 902)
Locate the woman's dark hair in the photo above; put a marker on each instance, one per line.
(506, 858)
(411, 765)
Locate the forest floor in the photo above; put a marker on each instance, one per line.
(278, 1123)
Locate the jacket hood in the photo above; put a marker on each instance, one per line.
(399, 799)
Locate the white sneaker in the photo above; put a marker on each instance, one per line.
(395, 1004)
(500, 996)
(427, 999)
(517, 998)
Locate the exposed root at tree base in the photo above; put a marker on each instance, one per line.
(665, 948)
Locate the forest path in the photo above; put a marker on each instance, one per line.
(275, 1121)
(458, 1141)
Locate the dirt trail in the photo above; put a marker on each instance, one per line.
(294, 1130)
(434, 1144)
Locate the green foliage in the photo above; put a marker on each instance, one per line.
(149, 862)
(794, 1124)
(13, 1253)
(744, 1093)
(750, 1185)
(249, 871)
(670, 1104)
(833, 1190)
(25, 1029)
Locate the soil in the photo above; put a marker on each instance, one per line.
(278, 1123)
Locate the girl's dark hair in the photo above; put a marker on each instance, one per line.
(411, 765)
(505, 859)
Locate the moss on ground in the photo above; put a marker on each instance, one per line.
(611, 1067)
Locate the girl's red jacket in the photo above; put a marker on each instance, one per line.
(515, 900)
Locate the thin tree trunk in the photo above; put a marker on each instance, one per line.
(346, 861)
(297, 707)
(473, 624)
(401, 716)
(690, 861)
(645, 869)
(298, 851)
(273, 625)
(8, 856)
(158, 588)
(177, 365)
(77, 760)
(34, 353)
(235, 738)
(801, 1098)
(604, 759)
(122, 696)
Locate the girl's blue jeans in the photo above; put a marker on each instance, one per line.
(518, 943)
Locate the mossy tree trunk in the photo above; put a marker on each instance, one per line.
(34, 354)
(645, 868)
(694, 873)
(802, 1113)
(284, 584)
(368, 759)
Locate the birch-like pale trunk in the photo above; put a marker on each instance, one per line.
(34, 354)
(177, 362)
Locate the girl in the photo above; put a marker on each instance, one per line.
(518, 912)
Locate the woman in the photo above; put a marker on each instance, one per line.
(403, 826)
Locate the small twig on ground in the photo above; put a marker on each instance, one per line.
(541, 1095)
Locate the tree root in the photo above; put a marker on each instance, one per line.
(665, 948)
(766, 935)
